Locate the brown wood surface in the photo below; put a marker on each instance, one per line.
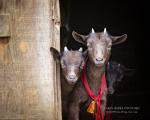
(29, 83)
(4, 25)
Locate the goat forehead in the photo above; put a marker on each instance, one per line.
(97, 42)
(72, 56)
(98, 38)
(98, 45)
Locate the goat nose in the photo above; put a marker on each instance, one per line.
(72, 76)
(99, 59)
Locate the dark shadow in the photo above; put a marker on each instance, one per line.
(118, 17)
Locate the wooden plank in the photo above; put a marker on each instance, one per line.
(4, 25)
(56, 36)
(29, 88)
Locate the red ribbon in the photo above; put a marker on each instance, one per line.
(98, 115)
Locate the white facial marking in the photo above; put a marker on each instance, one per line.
(72, 71)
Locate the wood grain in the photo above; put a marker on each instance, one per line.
(4, 25)
(29, 78)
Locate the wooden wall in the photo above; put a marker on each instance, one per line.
(29, 86)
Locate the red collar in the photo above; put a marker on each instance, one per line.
(99, 115)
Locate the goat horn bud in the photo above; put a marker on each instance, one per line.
(80, 50)
(93, 30)
(105, 31)
(65, 49)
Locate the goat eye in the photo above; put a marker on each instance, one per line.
(108, 48)
(63, 64)
(88, 45)
(109, 45)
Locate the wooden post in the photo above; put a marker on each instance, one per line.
(29, 77)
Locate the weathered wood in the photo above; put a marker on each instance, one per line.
(4, 25)
(29, 81)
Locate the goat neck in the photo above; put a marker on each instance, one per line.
(94, 76)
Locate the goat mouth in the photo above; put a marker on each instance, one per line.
(99, 64)
(71, 81)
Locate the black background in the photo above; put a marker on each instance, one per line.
(119, 17)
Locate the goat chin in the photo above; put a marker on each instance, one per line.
(99, 64)
(71, 82)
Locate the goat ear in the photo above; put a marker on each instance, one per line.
(129, 71)
(79, 38)
(118, 39)
(55, 53)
